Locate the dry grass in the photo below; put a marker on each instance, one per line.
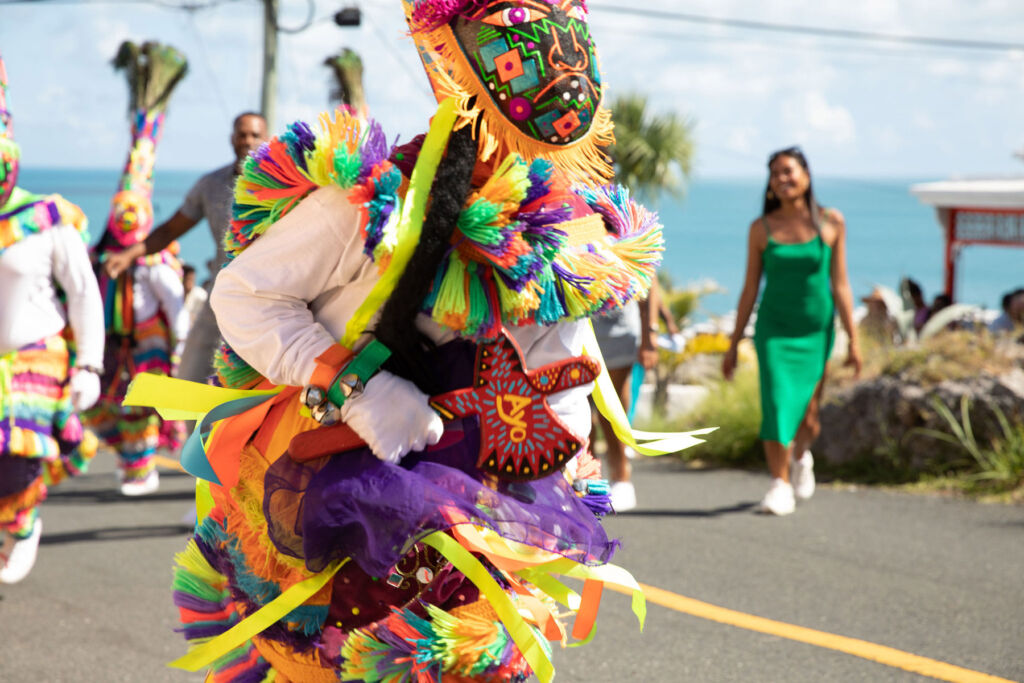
(953, 355)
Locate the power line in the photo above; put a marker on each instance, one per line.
(204, 54)
(842, 54)
(820, 31)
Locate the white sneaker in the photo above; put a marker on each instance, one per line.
(779, 500)
(22, 556)
(623, 496)
(801, 473)
(142, 487)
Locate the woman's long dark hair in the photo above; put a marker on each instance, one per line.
(771, 202)
(396, 329)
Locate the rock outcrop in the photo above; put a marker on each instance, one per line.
(886, 417)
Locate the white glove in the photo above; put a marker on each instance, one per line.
(85, 389)
(393, 417)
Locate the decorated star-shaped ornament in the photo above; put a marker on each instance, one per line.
(521, 437)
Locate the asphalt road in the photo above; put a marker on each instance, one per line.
(929, 576)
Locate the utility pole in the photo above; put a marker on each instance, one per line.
(268, 101)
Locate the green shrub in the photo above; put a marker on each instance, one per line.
(993, 468)
(735, 408)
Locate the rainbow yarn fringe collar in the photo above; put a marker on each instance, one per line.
(28, 214)
(525, 249)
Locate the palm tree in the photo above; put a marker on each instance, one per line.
(653, 154)
(153, 70)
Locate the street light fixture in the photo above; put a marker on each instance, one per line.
(349, 16)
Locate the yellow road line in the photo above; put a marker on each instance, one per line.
(167, 463)
(852, 646)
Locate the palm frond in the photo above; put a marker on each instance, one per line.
(652, 153)
(153, 70)
(347, 67)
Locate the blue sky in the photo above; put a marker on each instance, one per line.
(859, 109)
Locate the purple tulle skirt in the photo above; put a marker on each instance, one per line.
(353, 505)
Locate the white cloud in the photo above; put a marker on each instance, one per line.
(946, 66)
(811, 117)
(742, 138)
(923, 121)
(110, 31)
(887, 138)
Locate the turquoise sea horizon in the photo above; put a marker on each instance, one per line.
(890, 233)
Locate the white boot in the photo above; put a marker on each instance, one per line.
(802, 475)
(623, 496)
(22, 556)
(143, 487)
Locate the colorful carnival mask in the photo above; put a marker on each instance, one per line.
(9, 150)
(537, 64)
(131, 217)
(524, 72)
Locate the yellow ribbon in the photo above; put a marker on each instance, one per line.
(411, 222)
(204, 500)
(522, 635)
(607, 401)
(206, 654)
(606, 573)
(179, 399)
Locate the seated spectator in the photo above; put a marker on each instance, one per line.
(1005, 321)
(939, 302)
(878, 325)
(921, 311)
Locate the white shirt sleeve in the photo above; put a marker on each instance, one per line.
(548, 344)
(262, 298)
(166, 285)
(73, 271)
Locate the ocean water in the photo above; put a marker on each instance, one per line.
(890, 233)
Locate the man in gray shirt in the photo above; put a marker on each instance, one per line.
(209, 198)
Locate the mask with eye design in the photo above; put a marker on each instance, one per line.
(525, 73)
(537, 64)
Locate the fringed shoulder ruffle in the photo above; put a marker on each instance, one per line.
(344, 151)
(34, 214)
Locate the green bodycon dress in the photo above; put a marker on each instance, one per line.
(794, 332)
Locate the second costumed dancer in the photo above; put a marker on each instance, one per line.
(406, 465)
(51, 347)
(142, 305)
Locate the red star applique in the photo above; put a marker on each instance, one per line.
(521, 436)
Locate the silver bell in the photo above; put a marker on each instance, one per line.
(312, 396)
(325, 413)
(350, 385)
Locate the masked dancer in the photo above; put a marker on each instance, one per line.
(143, 303)
(410, 466)
(51, 348)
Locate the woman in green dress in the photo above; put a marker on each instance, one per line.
(800, 248)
